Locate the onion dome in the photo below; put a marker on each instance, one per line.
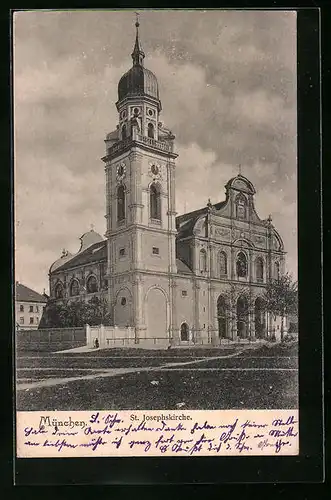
(138, 80)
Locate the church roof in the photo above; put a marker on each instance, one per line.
(94, 253)
(90, 242)
(89, 238)
(182, 268)
(186, 222)
(138, 81)
(26, 294)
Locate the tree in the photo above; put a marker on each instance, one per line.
(281, 298)
(98, 312)
(76, 313)
(51, 316)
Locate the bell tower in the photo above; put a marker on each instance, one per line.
(140, 192)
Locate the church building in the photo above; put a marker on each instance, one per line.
(196, 278)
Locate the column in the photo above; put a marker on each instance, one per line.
(137, 307)
(251, 314)
(250, 266)
(136, 204)
(173, 322)
(196, 327)
(233, 264)
(251, 321)
(212, 316)
(233, 315)
(171, 212)
(108, 199)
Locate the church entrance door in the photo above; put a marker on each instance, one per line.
(184, 332)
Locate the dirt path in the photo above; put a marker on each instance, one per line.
(113, 372)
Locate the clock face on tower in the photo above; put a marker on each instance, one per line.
(121, 171)
(155, 170)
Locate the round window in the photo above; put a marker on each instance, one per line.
(123, 301)
(136, 111)
(150, 112)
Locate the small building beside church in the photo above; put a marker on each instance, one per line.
(29, 306)
(195, 278)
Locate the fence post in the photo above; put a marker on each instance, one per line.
(88, 335)
(102, 336)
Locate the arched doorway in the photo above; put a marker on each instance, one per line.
(221, 317)
(184, 332)
(156, 314)
(259, 317)
(242, 317)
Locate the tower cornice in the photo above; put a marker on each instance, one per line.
(141, 142)
(137, 97)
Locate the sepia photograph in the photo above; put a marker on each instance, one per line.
(155, 168)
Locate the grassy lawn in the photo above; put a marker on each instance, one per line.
(198, 390)
(63, 362)
(241, 362)
(285, 349)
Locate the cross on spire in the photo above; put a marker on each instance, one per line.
(137, 54)
(239, 168)
(92, 227)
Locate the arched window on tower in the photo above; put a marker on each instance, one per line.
(150, 130)
(241, 265)
(124, 132)
(120, 203)
(155, 202)
(222, 264)
(203, 261)
(241, 206)
(259, 269)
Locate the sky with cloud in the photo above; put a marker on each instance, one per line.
(227, 83)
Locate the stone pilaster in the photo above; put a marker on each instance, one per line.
(137, 307)
(173, 320)
(171, 212)
(136, 204)
(196, 328)
(212, 314)
(233, 264)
